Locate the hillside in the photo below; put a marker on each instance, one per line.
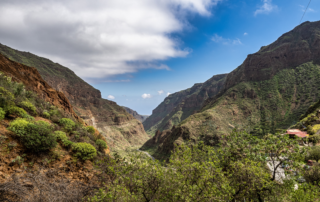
(135, 114)
(270, 90)
(179, 106)
(119, 127)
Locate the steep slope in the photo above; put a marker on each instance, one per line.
(120, 128)
(178, 106)
(135, 114)
(270, 90)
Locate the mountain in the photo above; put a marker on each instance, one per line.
(179, 106)
(135, 114)
(119, 127)
(270, 90)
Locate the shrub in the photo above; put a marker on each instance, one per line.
(314, 154)
(90, 129)
(2, 114)
(45, 114)
(316, 128)
(101, 144)
(314, 139)
(18, 126)
(29, 107)
(312, 175)
(67, 124)
(84, 150)
(310, 130)
(63, 138)
(14, 110)
(6, 97)
(38, 137)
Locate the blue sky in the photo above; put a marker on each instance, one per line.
(136, 52)
(229, 20)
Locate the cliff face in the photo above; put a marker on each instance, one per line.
(271, 89)
(178, 106)
(119, 128)
(135, 114)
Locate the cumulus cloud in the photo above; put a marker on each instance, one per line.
(219, 39)
(111, 97)
(144, 96)
(168, 94)
(160, 92)
(266, 8)
(98, 39)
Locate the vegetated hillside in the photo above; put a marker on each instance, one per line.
(179, 106)
(47, 151)
(135, 114)
(119, 127)
(270, 90)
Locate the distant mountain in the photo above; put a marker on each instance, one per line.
(135, 114)
(119, 127)
(179, 106)
(270, 90)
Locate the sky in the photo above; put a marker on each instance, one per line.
(138, 52)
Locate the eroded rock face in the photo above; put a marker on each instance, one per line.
(31, 78)
(108, 117)
(179, 106)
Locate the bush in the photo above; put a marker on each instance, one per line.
(314, 138)
(29, 107)
(84, 150)
(312, 175)
(101, 144)
(2, 114)
(63, 138)
(17, 111)
(310, 130)
(6, 97)
(38, 137)
(67, 124)
(314, 154)
(45, 114)
(90, 129)
(18, 126)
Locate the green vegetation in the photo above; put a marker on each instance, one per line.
(84, 150)
(29, 107)
(67, 124)
(101, 144)
(17, 111)
(91, 129)
(2, 114)
(314, 154)
(63, 138)
(18, 126)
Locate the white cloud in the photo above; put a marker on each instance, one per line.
(245, 34)
(160, 92)
(111, 97)
(266, 8)
(100, 38)
(219, 39)
(168, 94)
(303, 9)
(144, 96)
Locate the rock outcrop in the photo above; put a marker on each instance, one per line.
(119, 127)
(270, 90)
(179, 106)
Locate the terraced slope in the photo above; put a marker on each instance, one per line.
(178, 106)
(270, 90)
(120, 128)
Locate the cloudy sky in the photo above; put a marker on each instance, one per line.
(139, 51)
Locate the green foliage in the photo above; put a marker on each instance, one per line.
(45, 114)
(18, 126)
(63, 138)
(38, 137)
(310, 130)
(90, 129)
(84, 150)
(2, 114)
(67, 124)
(29, 107)
(314, 154)
(312, 175)
(6, 97)
(17, 111)
(315, 139)
(101, 144)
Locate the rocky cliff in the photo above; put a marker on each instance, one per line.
(119, 128)
(179, 106)
(135, 114)
(270, 90)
